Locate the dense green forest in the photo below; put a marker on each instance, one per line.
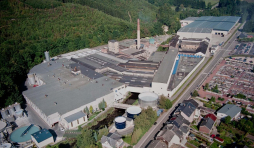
(31, 27)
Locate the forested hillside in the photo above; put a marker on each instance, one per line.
(30, 27)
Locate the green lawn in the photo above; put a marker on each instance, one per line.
(212, 2)
(127, 139)
(93, 115)
(195, 127)
(135, 103)
(194, 142)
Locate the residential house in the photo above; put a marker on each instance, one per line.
(170, 134)
(187, 109)
(181, 123)
(42, 138)
(229, 110)
(157, 144)
(112, 140)
(207, 123)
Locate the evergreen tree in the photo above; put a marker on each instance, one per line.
(95, 136)
(91, 109)
(87, 110)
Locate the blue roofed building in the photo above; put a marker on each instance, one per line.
(206, 26)
(42, 138)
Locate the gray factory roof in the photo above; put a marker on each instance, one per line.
(68, 93)
(75, 116)
(206, 24)
(230, 110)
(166, 66)
(157, 56)
(190, 19)
(86, 71)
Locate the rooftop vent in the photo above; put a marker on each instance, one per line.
(55, 103)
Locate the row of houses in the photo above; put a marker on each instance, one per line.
(177, 128)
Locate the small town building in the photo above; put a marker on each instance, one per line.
(170, 134)
(112, 140)
(42, 138)
(207, 123)
(229, 110)
(187, 109)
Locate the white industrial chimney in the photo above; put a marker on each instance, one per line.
(138, 35)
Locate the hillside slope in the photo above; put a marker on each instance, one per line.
(28, 29)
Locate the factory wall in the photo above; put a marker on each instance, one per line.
(194, 35)
(219, 31)
(37, 110)
(43, 143)
(56, 117)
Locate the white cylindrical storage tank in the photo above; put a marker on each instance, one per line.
(120, 122)
(31, 78)
(132, 111)
(148, 99)
(47, 56)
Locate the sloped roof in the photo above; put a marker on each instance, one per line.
(230, 110)
(157, 144)
(212, 116)
(192, 101)
(75, 116)
(178, 121)
(111, 138)
(206, 24)
(207, 122)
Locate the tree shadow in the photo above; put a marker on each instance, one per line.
(64, 145)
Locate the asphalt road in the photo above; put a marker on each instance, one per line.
(154, 130)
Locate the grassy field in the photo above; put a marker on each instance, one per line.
(212, 1)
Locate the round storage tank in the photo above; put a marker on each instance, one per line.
(148, 99)
(132, 111)
(120, 122)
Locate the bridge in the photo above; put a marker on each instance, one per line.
(121, 106)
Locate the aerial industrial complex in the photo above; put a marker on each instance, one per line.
(62, 87)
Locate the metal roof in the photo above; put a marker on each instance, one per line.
(71, 91)
(230, 110)
(190, 19)
(41, 135)
(134, 110)
(206, 24)
(157, 56)
(75, 116)
(148, 96)
(166, 66)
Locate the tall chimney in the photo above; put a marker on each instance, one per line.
(138, 35)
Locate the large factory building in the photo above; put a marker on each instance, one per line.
(206, 26)
(60, 89)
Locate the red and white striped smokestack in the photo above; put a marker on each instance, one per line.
(138, 35)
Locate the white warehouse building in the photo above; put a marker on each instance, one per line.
(63, 90)
(206, 26)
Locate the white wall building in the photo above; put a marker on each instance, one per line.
(206, 26)
(113, 46)
(62, 96)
